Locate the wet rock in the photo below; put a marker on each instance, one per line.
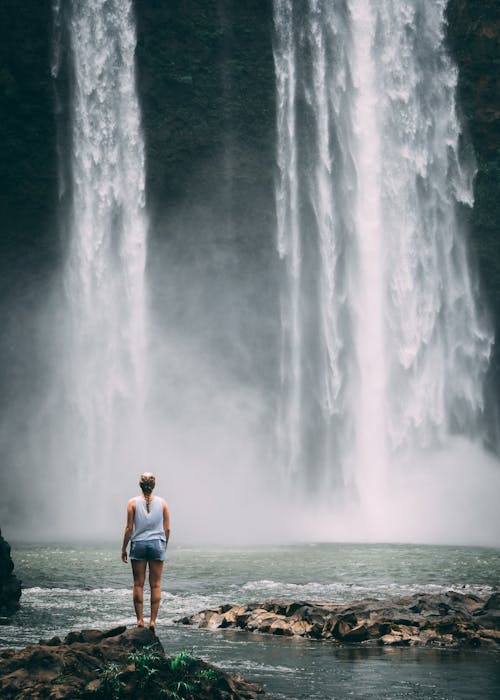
(281, 627)
(493, 602)
(264, 622)
(345, 623)
(214, 621)
(114, 663)
(356, 634)
(300, 628)
(444, 620)
(10, 585)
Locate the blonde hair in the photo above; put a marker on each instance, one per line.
(147, 483)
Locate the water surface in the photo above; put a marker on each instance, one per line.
(78, 586)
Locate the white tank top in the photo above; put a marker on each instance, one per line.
(148, 526)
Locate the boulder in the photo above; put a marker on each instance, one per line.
(114, 663)
(10, 585)
(493, 602)
(356, 634)
(281, 627)
(300, 628)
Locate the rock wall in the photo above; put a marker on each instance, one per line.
(10, 585)
(474, 39)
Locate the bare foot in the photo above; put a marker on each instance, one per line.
(152, 626)
(140, 623)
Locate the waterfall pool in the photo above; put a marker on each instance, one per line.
(83, 586)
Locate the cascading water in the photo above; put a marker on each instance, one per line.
(104, 371)
(384, 349)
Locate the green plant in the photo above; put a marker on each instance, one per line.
(184, 682)
(145, 661)
(183, 687)
(208, 675)
(183, 660)
(112, 685)
(180, 690)
(145, 657)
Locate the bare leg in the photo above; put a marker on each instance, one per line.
(155, 571)
(139, 571)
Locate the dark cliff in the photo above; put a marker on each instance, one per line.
(474, 37)
(10, 585)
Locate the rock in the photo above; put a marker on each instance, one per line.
(491, 634)
(292, 608)
(10, 585)
(242, 619)
(493, 602)
(356, 634)
(281, 627)
(231, 614)
(255, 618)
(263, 622)
(114, 663)
(214, 621)
(300, 628)
(445, 620)
(391, 639)
(344, 625)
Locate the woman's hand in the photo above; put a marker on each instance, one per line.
(129, 527)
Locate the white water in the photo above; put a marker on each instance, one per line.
(104, 366)
(385, 349)
(288, 242)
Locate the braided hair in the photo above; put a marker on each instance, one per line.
(147, 484)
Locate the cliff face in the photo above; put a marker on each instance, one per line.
(474, 37)
(206, 82)
(28, 179)
(474, 40)
(206, 85)
(10, 585)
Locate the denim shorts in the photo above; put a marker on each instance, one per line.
(148, 550)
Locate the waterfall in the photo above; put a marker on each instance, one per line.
(104, 343)
(384, 346)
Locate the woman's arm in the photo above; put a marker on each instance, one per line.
(129, 528)
(166, 521)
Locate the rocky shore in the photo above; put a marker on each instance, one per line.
(445, 620)
(10, 585)
(116, 664)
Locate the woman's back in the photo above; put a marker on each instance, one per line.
(148, 525)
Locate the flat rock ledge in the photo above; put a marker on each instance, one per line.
(115, 664)
(444, 620)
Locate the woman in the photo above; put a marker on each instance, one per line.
(148, 530)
